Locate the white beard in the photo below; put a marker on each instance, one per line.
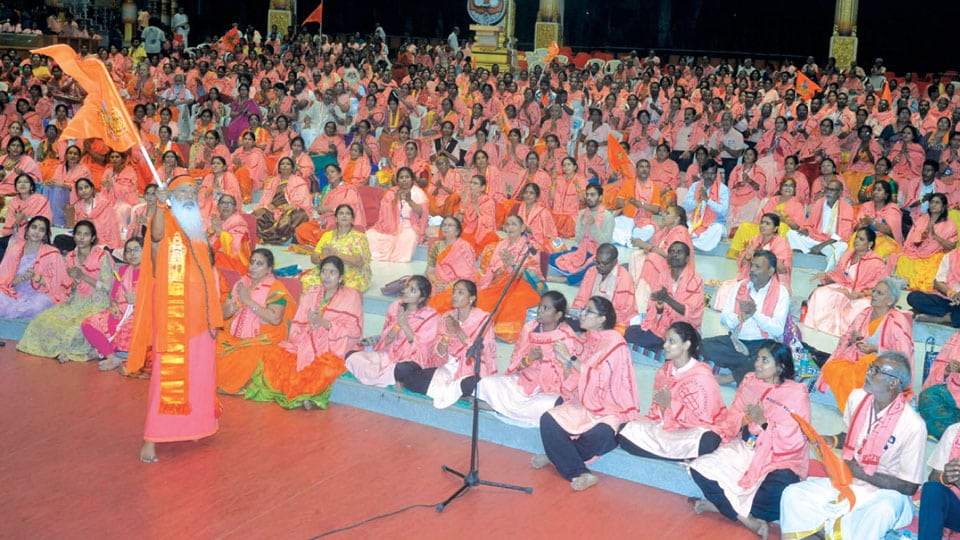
(189, 218)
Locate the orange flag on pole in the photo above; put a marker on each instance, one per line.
(618, 158)
(552, 51)
(885, 94)
(805, 87)
(103, 114)
(837, 469)
(316, 16)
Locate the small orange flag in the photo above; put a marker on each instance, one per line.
(552, 51)
(618, 158)
(805, 87)
(885, 93)
(837, 469)
(316, 16)
(103, 114)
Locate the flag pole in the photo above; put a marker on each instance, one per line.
(153, 170)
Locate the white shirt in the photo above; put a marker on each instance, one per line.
(903, 455)
(752, 328)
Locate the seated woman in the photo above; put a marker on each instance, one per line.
(258, 311)
(444, 187)
(451, 258)
(767, 240)
(536, 379)
(539, 225)
(356, 166)
(932, 236)
(783, 203)
(402, 223)
(766, 449)
(747, 183)
(568, 194)
(347, 243)
(21, 208)
(15, 163)
(939, 402)
(171, 166)
(790, 171)
(410, 334)
(119, 183)
(249, 164)
(58, 188)
(882, 215)
(335, 194)
(109, 331)
(298, 371)
(229, 237)
(686, 417)
(200, 162)
(95, 208)
(477, 212)
(55, 333)
(138, 214)
(881, 173)
(828, 173)
(453, 376)
(219, 182)
(33, 274)
(605, 398)
(881, 327)
(284, 206)
(651, 259)
(845, 291)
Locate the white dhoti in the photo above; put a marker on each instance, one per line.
(445, 385)
(709, 239)
(625, 230)
(372, 368)
(805, 244)
(809, 506)
(505, 395)
(650, 435)
(726, 466)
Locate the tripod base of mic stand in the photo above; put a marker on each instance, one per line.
(472, 479)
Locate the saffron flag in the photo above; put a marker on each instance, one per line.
(885, 94)
(805, 87)
(618, 158)
(837, 469)
(316, 16)
(103, 114)
(552, 51)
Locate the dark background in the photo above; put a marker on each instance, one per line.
(910, 37)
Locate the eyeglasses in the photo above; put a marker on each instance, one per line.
(874, 370)
(589, 311)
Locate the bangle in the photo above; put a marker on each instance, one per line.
(945, 484)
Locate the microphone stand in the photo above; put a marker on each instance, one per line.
(472, 477)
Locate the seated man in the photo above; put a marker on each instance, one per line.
(884, 447)
(757, 312)
(594, 227)
(942, 306)
(636, 201)
(828, 227)
(609, 279)
(677, 296)
(939, 503)
(707, 203)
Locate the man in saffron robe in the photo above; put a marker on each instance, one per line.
(757, 312)
(883, 445)
(176, 315)
(611, 280)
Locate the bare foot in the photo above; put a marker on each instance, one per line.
(556, 279)
(62, 359)
(539, 461)
(759, 526)
(308, 405)
(724, 378)
(703, 506)
(110, 363)
(148, 452)
(924, 317)
(584, 481)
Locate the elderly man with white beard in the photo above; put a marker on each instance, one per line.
(177, 316)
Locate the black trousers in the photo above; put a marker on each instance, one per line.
(766, 503)
(720, 351)
(569, 456)
(934, 304)
(417, 379)
(646, 339)
(682, 163)
(709, 442)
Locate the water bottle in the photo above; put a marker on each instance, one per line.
(803, 311)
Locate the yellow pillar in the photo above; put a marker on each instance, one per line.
(549, 24)
(843, 43)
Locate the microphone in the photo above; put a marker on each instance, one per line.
(530, 249)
